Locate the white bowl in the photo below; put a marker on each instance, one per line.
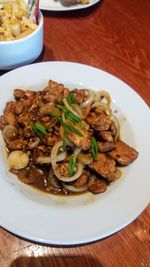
(16, 53)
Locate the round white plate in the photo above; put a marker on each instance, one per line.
(55, 5)
(80, 219)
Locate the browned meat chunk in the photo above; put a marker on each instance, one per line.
(105, 146)
(19, 93)
(9, 115)
(17, 144)
(85, 158)
(83, 179)
(83, 141)
(80, 95)
(98, 186)
(63, 169)
(99, 121)
(105, 166)
(106, 136)
(123, 153)
(54, 91)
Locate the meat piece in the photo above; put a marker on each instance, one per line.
(2, 122)
(83, 141)
(63, 169)
(17, 144)
(83, 179)
(52, 139)
(19, 107)
(53, 92)
(123, 153)
(85, 158)
(19, 93)
(106, 136)
(80, 95)
(99, 121)
(98, 186)
(105, 166)
(9, 113)
(105, 146)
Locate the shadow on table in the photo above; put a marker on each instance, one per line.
(56, 261)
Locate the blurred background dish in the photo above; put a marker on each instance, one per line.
(19, 52)
(56, 5)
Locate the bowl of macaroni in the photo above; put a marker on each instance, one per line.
(21, 39)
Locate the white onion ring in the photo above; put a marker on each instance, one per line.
(61, 156)
(89, 100)
(75, 189)
(54, 153)
(78, 114)
(78, 173)
(116, 121)
(77, 151)
(53, 180)
(104, 94)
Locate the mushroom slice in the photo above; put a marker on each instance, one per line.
(10, 133)
(18, 159)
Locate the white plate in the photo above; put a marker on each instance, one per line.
(79, 219)
(53, 5)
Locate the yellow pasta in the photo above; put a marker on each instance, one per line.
(14, 22)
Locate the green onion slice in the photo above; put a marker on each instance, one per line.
(94, 148)
(68, 114)
(65, 124)
(39, 129)
(71, 98)
(72, 163)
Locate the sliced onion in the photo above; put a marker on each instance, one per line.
(78, 173)
(75, 189)
(116, 121)
(53, 180)
(10, 133)
(76, 112)
(104, 107)
(103, 94)
(89, 100)
(33, 142)
(61, 156)
(54, 152)
(43, 159)
(77, 151)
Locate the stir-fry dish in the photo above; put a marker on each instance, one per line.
(64, 142)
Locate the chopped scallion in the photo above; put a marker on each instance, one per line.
(94, 148)
(72, 163)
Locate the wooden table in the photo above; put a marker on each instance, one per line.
(114, 35)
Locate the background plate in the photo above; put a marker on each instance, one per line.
(53, 5)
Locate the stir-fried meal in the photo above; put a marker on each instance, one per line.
(62, 141)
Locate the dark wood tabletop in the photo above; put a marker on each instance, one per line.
(114, 36)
